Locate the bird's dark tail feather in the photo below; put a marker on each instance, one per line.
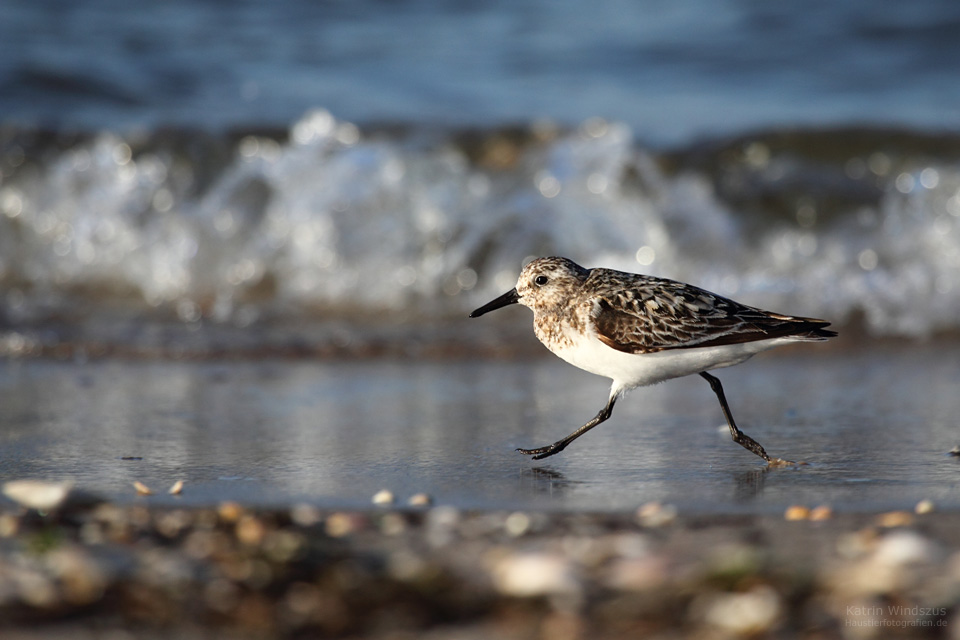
(813, 330)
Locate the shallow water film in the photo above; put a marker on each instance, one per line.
(875, 427)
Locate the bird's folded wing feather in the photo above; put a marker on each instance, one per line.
(659, 315)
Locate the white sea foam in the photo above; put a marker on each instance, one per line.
(339, 221)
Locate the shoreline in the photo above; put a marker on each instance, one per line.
(439, 572)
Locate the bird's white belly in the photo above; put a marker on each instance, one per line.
(628, 370)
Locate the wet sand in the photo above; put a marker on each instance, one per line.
(875, 425)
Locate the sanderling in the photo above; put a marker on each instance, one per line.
(639, 330)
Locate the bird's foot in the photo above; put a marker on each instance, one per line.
(780, 462)
(543, 452)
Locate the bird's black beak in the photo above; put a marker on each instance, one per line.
(510, 297)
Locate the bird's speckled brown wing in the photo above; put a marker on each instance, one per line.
(642, 314)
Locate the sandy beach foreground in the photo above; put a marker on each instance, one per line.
(119, 571)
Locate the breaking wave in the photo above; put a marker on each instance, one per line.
(327, 221)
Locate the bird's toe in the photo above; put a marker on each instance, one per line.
(780, 462)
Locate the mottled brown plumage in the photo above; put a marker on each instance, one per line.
(639, 330)
(641, 314)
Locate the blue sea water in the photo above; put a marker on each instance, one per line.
(670, 70)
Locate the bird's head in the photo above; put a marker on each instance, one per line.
(543, 284)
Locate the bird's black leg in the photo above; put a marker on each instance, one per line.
(738, 436)
(560, 445)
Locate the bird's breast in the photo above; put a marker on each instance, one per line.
(560, 331)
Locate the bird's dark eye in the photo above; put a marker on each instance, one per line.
(541, 280)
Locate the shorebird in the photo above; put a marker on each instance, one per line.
(639, 330)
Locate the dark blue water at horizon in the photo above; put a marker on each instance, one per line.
(672, 71)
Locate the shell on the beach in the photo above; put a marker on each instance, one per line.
(384, 497)
(37, 494)
(532, 574)
(420, 500)
(797, 512)
(142, 489)
(656, 514)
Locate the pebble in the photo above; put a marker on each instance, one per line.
(142, 489)
(655, 514)
(856, 544)
(797, 512)
(516, 524)
(406, 566)
(393, 524)
(823, 512)
(9, 525)
(34, 587)
(305, 515)
(800, 512)
(923, 507)
(171, 523)
(886, 564)
(893, 519)
(902, 548)
(420, 500)
(384, 497)
(37, 494)
(443, 517)
(745, 614)
(82, 579)
(251, 530)
(534, 574)
(283, 546)
(638, 574)
(229, 511)
(442, 525)
(339, 525)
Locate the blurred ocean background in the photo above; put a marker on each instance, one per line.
(211, 180)
(251, 163)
